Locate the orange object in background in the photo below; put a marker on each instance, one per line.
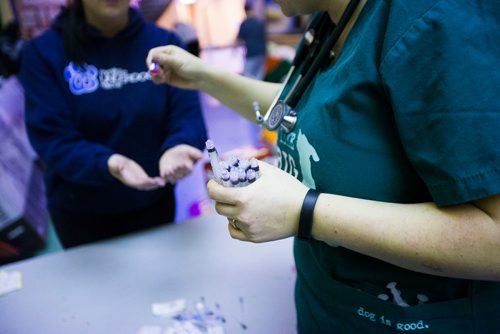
(272, 63)
(269, 138)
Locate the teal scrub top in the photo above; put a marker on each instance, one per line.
(409, 113)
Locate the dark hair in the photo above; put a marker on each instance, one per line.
(73, 31)
(11, 44)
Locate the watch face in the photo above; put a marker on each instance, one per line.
(276, 116)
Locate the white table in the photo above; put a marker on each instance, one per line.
(109, 287)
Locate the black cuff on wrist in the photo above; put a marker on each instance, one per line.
(306, 214)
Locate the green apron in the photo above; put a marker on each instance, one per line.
(325, 305)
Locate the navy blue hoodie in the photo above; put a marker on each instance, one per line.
(78, 117)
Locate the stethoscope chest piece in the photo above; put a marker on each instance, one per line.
(281, 115)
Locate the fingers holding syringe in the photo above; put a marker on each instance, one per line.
(269, 208)
(221, 194)
(228, 203)
(174, 65)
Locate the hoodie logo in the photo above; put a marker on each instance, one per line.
(81, 79)
(87, 78)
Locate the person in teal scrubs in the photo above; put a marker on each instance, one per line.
(399, 136)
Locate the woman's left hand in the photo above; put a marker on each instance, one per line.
(178, 161)
(265, 210)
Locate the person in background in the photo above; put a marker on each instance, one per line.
(114, 144)
(390, 179)
(11, 45)
(152, 10)
(188, 35)
(253, 34)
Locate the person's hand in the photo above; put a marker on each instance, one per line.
(265, 210)
(131, 174)
(176, 66)
(178, 161)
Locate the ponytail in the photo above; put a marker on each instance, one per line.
(73, 32)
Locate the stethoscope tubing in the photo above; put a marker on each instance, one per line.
(320, 27)
(323, 55)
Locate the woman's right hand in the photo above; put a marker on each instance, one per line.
(131, 174)
(266, 210)
(176, 67)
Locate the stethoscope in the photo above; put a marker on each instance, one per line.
(314, 51)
